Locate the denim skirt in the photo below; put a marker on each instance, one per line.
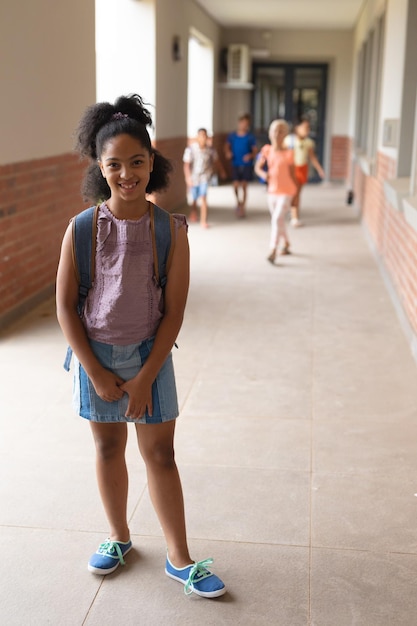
(125, 361)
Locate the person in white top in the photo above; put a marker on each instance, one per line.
(304, 154)
(201, 161)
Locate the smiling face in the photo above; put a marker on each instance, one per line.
(126, 165)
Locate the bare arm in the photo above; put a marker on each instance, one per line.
(315, 162)
(219, 169)
(187, 174)
(259, 165)
(228, 151)
(105, 382)
(293, 176)
(139, 388)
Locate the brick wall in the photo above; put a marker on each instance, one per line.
(349, 171)
(219, 141)
(340, 157)
(174, 199)
(37, 198)
(358, 185)
(395, 240)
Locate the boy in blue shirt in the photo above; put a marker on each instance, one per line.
(241, 149)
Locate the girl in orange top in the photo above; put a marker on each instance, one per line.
(281, 182)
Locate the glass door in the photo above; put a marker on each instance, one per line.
(290, 91)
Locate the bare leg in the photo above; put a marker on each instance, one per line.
(295, 208)
(203, 211)
(236, 190)
(156, 444)
(244, 197)
(112, 478)
(194, 212)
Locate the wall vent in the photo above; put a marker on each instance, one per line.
(390, 133)
(238, 63)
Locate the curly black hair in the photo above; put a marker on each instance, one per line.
(98, 125)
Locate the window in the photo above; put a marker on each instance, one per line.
(407, 153)
(368, 89)
(200, 84)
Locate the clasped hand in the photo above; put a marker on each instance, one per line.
(140, 397)
(110, 387)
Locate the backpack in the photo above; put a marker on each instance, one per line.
(84, 234)
(265, 168)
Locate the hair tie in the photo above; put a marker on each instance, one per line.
(119, 116)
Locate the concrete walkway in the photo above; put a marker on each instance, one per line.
(296, 445)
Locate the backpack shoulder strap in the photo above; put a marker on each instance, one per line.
(84, 232)
(163, 242)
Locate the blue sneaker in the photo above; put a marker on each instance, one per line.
(196, 578)
(109, 556)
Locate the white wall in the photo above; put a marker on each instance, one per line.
(125, 45)
(234, 102)
(394, 57)
(371, 11)
(176, 18)
(47, 75)
(171, 75)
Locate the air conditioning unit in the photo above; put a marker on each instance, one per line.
(238, 63)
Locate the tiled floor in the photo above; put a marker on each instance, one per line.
(297, 445)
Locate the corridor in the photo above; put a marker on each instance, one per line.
(296, 445)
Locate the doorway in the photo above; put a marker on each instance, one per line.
(290, 91)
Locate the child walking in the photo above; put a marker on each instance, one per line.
(201, 161)
(304, 154)
(281, 184)
(123, 339)
(241, 149)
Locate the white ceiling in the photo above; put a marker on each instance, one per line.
(287, 14)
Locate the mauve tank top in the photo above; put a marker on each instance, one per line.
(125, 304)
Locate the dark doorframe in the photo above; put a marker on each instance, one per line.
(290, 91)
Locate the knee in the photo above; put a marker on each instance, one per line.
(159, 456)
(109, 448)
